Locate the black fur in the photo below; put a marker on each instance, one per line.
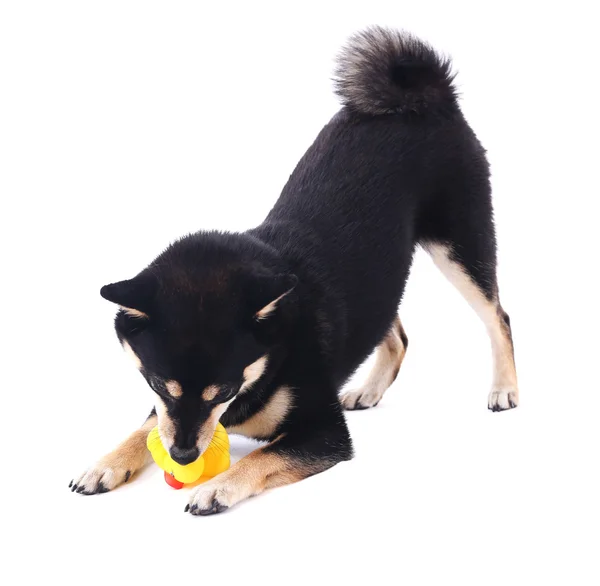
(397, 166)
(382, 71)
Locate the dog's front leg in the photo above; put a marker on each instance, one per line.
(294, 455)
(118, 466)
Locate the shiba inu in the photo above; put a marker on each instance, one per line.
(259, 330)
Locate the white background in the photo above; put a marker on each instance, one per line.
(124, 125)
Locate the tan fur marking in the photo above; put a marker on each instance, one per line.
(260, 470)
(209, 393)
(270, 307)
(118, 466)
(134, 357)
(264, 423)
(166, 427)
(208, 429)
(389, 357)
(253, 474)
(173, 388)
(134, 312)
(504, 386)
(253, 372)
(132, 453)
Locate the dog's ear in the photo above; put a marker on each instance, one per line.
(269, 291)
(135, 296)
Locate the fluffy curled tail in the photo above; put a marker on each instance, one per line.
(382, 71)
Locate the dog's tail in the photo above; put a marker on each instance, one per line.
(382, 71)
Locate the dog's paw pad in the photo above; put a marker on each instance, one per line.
(99, 478)
(360, 399)
(503, 399)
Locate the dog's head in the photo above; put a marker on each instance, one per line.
(200, 324)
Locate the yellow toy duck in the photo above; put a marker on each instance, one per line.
(212, 462)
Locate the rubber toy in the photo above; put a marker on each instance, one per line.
(213, 461)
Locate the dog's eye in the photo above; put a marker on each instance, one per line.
(227, 392)
(215, 394)
(130, 325)
(158, 385)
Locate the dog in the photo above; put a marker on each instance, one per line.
(259, 330)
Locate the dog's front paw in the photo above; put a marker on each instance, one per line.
(101, 477)
(215, 496)
(360, 399)
(503, 399)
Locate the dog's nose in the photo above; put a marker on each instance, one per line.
(184, 456)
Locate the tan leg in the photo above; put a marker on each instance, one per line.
(390, 354)
(118, 466)
(258, 471)
(504, 394)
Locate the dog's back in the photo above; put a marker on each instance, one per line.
(372, 184)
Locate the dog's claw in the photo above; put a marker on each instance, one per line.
(101, 478)
(187, 508)
(219, 508)
(215, 507)
(503, 399)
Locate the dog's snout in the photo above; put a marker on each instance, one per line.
(184, 456)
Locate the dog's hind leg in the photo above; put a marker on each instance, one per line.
(457, 228)
(389, 357)
(118, 466)
(472, 270)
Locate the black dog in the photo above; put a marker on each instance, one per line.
(259, 330)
